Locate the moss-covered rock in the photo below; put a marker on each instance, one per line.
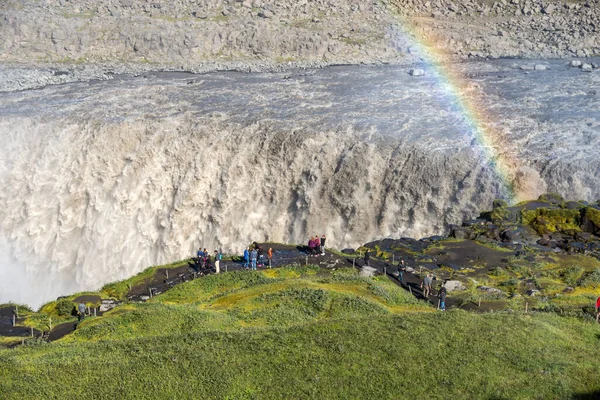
(553, 198)
(544, 220)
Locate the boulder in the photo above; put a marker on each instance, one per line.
(416, 72)
(540, 67)
(367, 271)
(454, 286)
(457, 232)
(533, 292)
(587, 68)
(491, 290)
(575, 63)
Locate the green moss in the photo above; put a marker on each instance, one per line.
(592, 214)
(544, 220)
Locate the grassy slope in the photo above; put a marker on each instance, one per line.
(293, 333)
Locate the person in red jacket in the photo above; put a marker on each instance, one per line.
(598, 310)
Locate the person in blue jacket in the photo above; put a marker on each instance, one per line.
(246, 258)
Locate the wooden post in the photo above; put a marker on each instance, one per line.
(526, 306)
(17, 311)
(410, 289)
(150, 290)
(306, 261)
(479, 303)
(225, 267)
(31, 331)
(420, 271)
(89, 311)
(95, 311)
(384, 270)
(438, 304)
(353, 262)
(50, 323)
(167, 273)
(14, 320)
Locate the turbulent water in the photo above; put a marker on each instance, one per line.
(102, 179)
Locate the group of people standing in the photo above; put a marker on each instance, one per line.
(316, 245)
(255, 256)
(203, 259)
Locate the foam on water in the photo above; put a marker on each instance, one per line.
(103, 179)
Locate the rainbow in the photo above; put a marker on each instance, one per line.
(481, 127)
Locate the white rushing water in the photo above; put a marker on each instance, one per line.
(103, 179)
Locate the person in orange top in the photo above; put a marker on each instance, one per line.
(270, 256)
(598, 310)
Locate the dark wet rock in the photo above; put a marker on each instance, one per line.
(533, 292)
(348, 251)
(573, 205)
(552, 198)
(457, 232)
(576, 247)
(474, 222)
(583, 236)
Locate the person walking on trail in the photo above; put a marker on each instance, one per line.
(217, 261)
(323, 245)
(426, 286)
(270, 256)
(81, 308)
(367, 258)
(246, 258)
(401, 271)
(442, 295)
(253, 257)
(598, 310)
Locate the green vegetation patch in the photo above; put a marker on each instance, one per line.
(456, 355)
(545, 220)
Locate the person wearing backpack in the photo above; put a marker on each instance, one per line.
(442, 296)
(598, 310)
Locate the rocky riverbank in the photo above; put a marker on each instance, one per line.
(69, 41)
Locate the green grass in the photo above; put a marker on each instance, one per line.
(304, 333)
(455, 355)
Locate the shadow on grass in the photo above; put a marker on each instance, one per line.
(587, 396)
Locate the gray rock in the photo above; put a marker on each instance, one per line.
(575, 63)
(454, 286)
(587, 67)
(491, 290)
(416, 72)
(367, 271)
(540, 67)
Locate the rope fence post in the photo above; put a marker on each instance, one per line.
(14, 320)
(526, 307)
